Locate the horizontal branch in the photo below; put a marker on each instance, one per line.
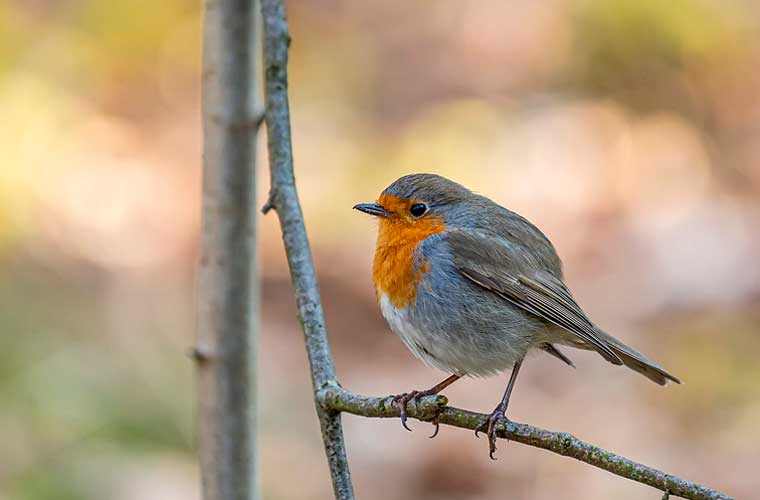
(335, 398)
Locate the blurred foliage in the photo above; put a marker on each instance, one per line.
(651, 54)
(63, 388)
(627, 129)
(722, 375)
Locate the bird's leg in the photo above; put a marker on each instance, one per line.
(403, 399)
(489, 424)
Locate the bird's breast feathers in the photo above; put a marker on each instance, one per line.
(395, 273)
(420, 342)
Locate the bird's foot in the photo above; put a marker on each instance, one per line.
(402, 400)
(488, 425)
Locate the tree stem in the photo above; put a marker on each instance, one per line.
(227, 298)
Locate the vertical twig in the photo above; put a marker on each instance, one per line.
(284, 199)
(227, 287)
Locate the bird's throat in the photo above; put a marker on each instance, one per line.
(394, 272)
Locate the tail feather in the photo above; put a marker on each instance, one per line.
(637, 361)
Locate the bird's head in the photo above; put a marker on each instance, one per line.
(415, 198)
(415, 206)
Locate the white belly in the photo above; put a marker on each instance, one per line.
(419, 342)
(439, 350)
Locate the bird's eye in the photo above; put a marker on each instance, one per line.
(418, 209)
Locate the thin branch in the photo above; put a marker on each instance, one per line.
(284, 199)
(227, 284)
(336, 398)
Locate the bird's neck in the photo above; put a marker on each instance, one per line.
(394, 272)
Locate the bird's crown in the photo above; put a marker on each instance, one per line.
(432, 189)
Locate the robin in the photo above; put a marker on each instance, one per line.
(471, 287)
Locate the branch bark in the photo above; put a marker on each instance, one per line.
(335, 398)
(331, 399)
(227, 296)
(284, 200)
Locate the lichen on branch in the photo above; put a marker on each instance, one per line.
(335, 398)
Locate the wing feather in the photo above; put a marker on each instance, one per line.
(493, 265)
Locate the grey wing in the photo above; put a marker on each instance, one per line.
(513, 274)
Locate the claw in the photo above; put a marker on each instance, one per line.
(488, 426)
(492, 438)
(435, 423)
(403, 400)
(481, 427)
(403, 418)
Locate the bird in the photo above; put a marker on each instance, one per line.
(472, 287)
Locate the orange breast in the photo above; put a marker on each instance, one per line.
(393, 270)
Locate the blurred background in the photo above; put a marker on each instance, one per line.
(628, 130)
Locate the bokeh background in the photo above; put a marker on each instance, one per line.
(628, 130)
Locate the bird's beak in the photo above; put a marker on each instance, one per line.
(375, 209)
